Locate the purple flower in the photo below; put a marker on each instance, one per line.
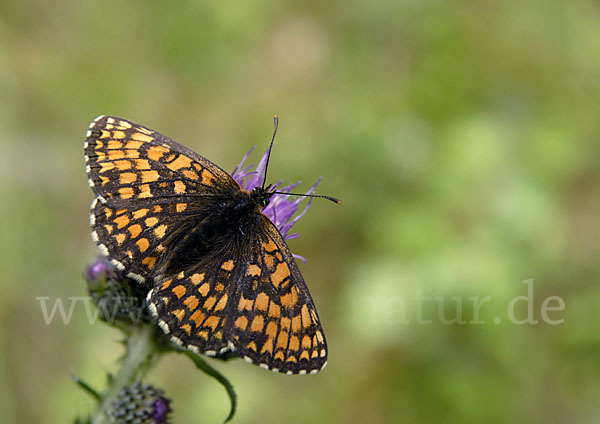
(161, 410)
(100, 269)
(282, 207)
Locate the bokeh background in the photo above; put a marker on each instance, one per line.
(462, 137)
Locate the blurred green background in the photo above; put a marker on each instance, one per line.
(462, 138)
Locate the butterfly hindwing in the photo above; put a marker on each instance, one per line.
(255, 305)
(191, 307)
(274, 322)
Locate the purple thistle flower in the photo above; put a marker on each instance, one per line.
(282, 207)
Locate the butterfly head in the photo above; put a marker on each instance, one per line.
(262, 195)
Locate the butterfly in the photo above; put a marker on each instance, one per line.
(221, 280)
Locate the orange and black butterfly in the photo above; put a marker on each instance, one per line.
(221, 279)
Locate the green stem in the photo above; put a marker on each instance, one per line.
(141, 354)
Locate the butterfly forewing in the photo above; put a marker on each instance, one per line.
(146, 186)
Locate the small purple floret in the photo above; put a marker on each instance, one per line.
(161, 409)
(282, 207)
(100, 268)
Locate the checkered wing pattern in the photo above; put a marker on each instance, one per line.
(255, 305)
(146, 186)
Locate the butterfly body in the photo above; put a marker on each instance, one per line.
(221, 279)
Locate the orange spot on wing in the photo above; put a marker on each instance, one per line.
(207, 177)
(120, 238)
(269, 261)
(282, 340)
(166, 284)
(294, 343)
(269, 246)
(212, 322)
(179, 187)
(306, 343)
(182, 161)
(274, 310)
(245, 304)
(197, 278)
(262, 301)
(150, 176)
(296, 323)
(116, 154)
(135, 230)
(114, 144)
(179, 291)
(122, 165)
(160, 231)
(133, 144)
(191, 302)
(121, 221)
(142, 164)
(291, 358)
(180, 207)
(253, 270)
(241, 322)
(306, 321)
(141, 137)
(149, 261)
(118, 135)
(286, 301)
(304, 355)
(285, 324)
(279, 355)
(192, 175)
(132, 154)
(126, 192)
(204, 288)
(271, 330)
(267, 347)
(257, 323)
(106, 166)
(222, 302)
(143, 244)
(151, 222)
(251, 346)
(179, 313)
(127, 177)
(281, 273)
(208, 303)
(156, 152)
(187, 328)
(145, 191)
(197, 317)
(140, 213)
(228, 265)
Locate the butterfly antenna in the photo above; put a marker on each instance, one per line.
(276, 119)
(333, 199)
